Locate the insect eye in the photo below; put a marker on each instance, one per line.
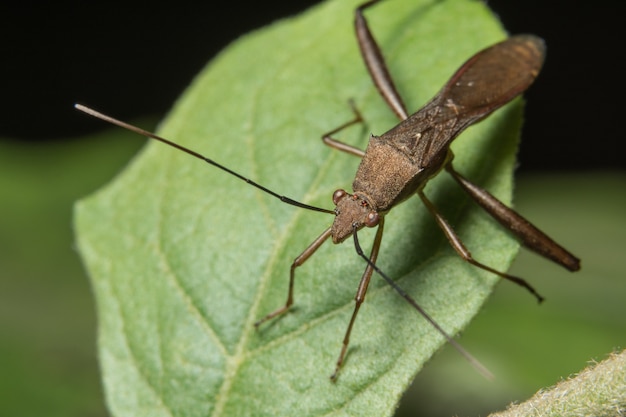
(372, 219)
(338, 195)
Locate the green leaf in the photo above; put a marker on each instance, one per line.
(184, 258)
(598, 390)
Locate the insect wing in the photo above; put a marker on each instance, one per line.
(486, 82)
(494, 76)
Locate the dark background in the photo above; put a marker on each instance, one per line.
(134, 61)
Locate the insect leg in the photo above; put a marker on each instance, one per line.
(529, 235)
(341, 146)
(472, 360)
(464, 253)
(375, 62)
(360, 295)
(292, 274)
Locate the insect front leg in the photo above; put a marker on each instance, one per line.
(360, 296)
(464, 253)
(529, 235)
(301, 259)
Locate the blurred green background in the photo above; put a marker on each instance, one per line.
(48, 327)
(48, 361)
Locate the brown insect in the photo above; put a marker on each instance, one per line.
(399, 163)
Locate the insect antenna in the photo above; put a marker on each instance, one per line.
(468, 356)
(151, 135)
